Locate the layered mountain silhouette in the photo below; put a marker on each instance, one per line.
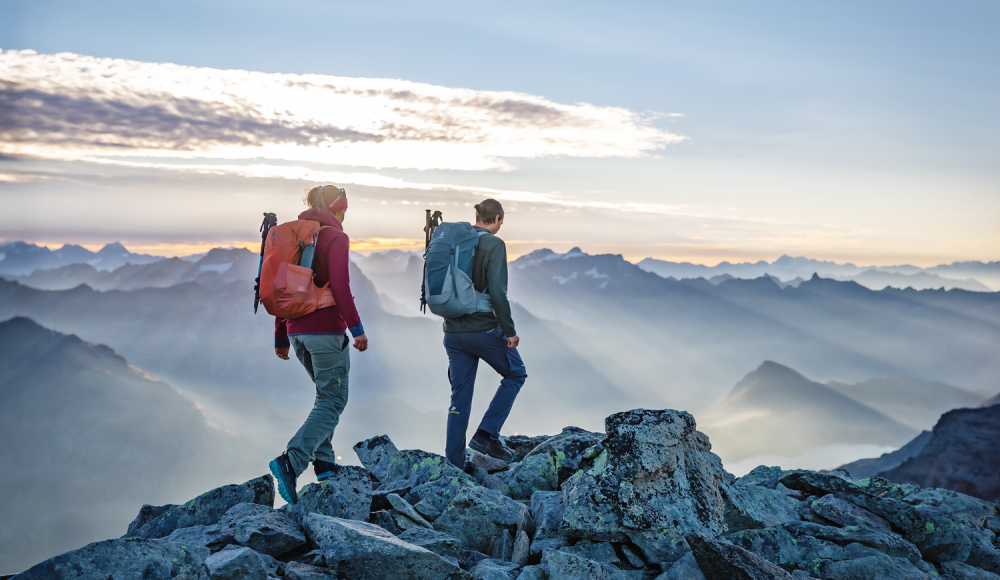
(864, 468)
(777, 409)
(918, 404)
(19, 258)
(89, 438)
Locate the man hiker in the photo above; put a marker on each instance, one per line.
(321, 345)
(489, 336)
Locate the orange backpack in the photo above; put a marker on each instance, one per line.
(286, 288)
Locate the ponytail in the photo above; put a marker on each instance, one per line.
(488, 210)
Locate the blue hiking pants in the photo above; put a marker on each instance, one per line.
(465, 349)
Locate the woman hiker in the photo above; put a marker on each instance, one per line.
(321, 345)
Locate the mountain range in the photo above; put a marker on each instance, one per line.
(975, 276)
(20, 258)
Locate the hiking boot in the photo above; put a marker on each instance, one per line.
(324, 469)
(489, 444)
(281, 469)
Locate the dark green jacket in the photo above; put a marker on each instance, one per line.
(489, 272)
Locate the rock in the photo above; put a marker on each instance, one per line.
(147, 513)
(868, 563)
(438, 542)
(400, 505)
(262, 529)
(359, 549)
(376, 454)
(440, 492)
(719, 559)
(415, 467)
(952, 502)
(547, 512)
(387, 522)
(404, 522)
(843, 513)
(502, 546)
(781, 547)
(961, 571)
(209, 507)
(490, 464)
(380, 496)
(889, 543)
(211, 537)
(476, 516)
(346, 494)
(124, 559)
(819, 484)
(532, 573)
(765, 476)
(633, 557)
(238, 564)
(427, 510)
(655, 481)
(313, 558)
(525, 522)
(564, 566)
(494, 570)
(521, 445)
(534, 473)
(471, 558)
(567, 449)
(684, 569)
(752, 506)
(296, 571)
(596, 551)
(522, 547)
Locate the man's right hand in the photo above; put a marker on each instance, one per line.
(361, 343)
(282, 352)
(513, 341)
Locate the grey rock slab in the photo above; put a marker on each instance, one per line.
(874, 566)
(147, 513)
(440, 492)
(477, 516)
(684, 569)
(494, 570)
(416, 467)
(534, 473)
(346, 494)
(211, 537)
(532, 573)
(719, 559)
(438, 542)
(843, 513)
(538, 547)
(502, 546)
(427, 510)
(765, 476)
(363, 550)
(404, 522)
(752, 506)
(490, 464)
(596, 551)
(239, 564)
(400, 505)
(962, 571)
(781, 547)
(262, 529)
(547, 508)
(888, 543)
(124, 559)
(387, 521)
(564, 566)
(655, 481)
(522, 549)
(376, 454)
(297, 571)
(209, 507)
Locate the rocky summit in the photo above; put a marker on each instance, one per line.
(645, 500)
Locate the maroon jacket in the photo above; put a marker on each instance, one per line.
(330, 264)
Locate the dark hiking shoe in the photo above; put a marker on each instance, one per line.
(324, 469)
(489, 444)
(281, 469)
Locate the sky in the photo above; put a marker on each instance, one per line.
(702, 132)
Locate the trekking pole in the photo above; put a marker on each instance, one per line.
(431, 222)
(270, 220)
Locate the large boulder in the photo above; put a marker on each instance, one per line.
(478, 517)
(534, 473)
(842, 513)
(208, 508)
(376, 454)
(262, 529)
(655, 481)
(345, 494)
(439, 493)
(212, 537)
(866, 563)
(438, 542)
(361, 550)
(719, 559)
(124, 559)
(238, 564)
(781, 547)
(752, 506)
(567, 449)
(564, 566)
(413, 467)
(547, 508)
(887, 542)
(521, 445)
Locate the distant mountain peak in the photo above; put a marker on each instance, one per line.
(114, 248)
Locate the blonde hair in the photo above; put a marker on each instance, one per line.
(322, 196)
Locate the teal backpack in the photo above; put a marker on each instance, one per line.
(447, 286)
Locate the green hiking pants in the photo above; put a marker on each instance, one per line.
(327, 360)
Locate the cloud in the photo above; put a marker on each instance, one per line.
(74, 106)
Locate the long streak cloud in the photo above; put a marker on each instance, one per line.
(74, 106)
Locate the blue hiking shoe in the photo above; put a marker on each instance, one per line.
(324, 469)
(281, 469)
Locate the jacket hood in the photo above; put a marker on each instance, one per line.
(322, 216)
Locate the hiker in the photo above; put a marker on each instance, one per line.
(489, 336)
(321, 345)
